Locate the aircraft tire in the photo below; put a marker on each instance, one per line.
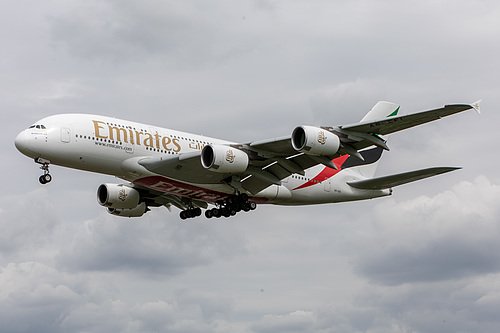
(216, 212)
(44, 179)
(197, 212)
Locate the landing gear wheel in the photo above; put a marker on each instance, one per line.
(196, 212)
(44, 179)
(190, 213)
(216, 212)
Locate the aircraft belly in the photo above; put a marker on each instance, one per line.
(336, 191)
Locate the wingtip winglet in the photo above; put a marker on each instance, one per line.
(476, 106)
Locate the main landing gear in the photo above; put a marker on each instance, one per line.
(46, 177)
(231, 206)
(190, 213)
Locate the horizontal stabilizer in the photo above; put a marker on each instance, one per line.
(385, 182)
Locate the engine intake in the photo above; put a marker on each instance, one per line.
(224, 159)
(315, 141)
(118, 196)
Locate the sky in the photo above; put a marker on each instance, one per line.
(426, 259)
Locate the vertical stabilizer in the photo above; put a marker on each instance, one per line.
(368, 166)
(381, 110)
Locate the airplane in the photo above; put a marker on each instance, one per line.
(164, 167)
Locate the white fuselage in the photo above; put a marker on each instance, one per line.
(113, 146)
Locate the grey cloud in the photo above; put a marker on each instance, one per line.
(27, 222)
(38, 298)
(298, 321)
(252, 70)
(466, 305)
(121, 31)
(162, 248)
(449, 236)
(447, 306)
(210, 306)
(35, 291)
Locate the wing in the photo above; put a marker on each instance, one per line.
(397, 123)
(266, 166)
(273, 160)
(365, 134)
(382, 183)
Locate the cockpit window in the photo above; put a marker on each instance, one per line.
(38, 126)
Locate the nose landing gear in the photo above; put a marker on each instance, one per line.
(46, 177)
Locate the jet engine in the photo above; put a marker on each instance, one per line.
(126, 212)
(315, 141)
(224, 159)
(118, 196)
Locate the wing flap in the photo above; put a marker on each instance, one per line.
(386, 182)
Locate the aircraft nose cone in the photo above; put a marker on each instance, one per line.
(21, 142)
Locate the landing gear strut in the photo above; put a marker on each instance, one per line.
(231, 206)
(46, 177)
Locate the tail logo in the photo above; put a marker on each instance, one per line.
(230, 156)
(321, 137)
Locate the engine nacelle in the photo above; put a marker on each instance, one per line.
(224, 159)
(118, 196)
(138, 211)
(315, 141)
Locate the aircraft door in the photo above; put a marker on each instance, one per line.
(328, 186)
(65, 134)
